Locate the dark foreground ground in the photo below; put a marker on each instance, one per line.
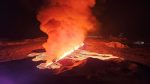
(93, 72)
(16, 68)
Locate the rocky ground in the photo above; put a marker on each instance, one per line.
(17, 68)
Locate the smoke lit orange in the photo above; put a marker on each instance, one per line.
(66, 22)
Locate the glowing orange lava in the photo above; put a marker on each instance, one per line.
(66, 54)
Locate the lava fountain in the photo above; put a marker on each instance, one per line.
(66, 22)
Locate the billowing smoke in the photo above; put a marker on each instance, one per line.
(66, 22)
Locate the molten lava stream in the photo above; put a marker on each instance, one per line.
(66, 54)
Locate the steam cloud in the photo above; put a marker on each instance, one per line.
(66, 22)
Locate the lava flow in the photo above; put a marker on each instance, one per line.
(70, 59)
(65, 54)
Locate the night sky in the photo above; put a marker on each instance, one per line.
(131, 17)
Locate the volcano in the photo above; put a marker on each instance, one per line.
(125, 65)
(74, 42)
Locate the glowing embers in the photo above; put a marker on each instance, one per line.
(70, 61)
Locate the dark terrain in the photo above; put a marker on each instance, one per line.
(17, 68)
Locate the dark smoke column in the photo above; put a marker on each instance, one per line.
(66, 22)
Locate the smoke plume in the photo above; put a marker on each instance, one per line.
(66, 22)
